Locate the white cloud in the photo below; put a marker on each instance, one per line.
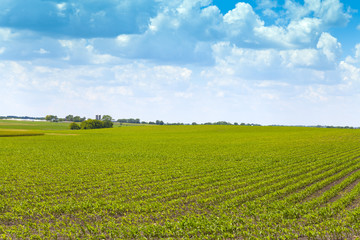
(123, 40)
(83, 52)
(350, 73)
(270, 13)
(6, 34)
(267, 4)
(357, 53)
(300, 65)
(331, 12)
(298, 34)
(177, 32)
(172, 74)
(315, 94)
(356, 58)
(171, 93)
(295, 10)
(241, 21)
(329, 46)
(301, 58)
(81, 19)
(42, 51)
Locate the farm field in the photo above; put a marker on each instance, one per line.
(18, 133)
(200, 182)
(30, 125)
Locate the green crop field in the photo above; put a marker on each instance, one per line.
(30, 125)
(180, 182)
(18, 133)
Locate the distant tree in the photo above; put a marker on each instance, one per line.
(130, 120)
(51, 118)
(159, 122)
(194, 123)
(235, 123)
(108, 124)
(94, 124)
(74, 126)
(107, 117)
(79, 119)
(122, 120)
(222, 123)
(69, 118)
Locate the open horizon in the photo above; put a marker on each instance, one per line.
(153, 121)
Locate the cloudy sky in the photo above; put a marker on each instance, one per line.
(256, 61)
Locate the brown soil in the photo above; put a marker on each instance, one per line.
(354, 204)
(346, 190)
(328, 187)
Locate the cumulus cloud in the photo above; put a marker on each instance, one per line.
(185, 32)
(82, 89)
(83, 52)
(329, 46)
(84, 19)
(331, 12)
(257, 85)
(350, 69)
(285, 64)
(266, 4)
(178, 32)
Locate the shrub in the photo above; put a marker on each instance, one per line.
(108, 124)
(93, 124)
(74, 126)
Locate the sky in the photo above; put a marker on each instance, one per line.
(259, 61)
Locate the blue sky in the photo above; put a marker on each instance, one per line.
(257, 61)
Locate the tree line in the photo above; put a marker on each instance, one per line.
(91, 124)
(69, 118)
(105, 122)
(160, 122)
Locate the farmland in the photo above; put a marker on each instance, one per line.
(180, 182)
(18, 133)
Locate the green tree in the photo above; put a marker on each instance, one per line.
(77, 119)
(108, 124)
(159, 122)
(94, 124)
(51, 118)
(69, 118)
(74, 126)
(107, 117)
